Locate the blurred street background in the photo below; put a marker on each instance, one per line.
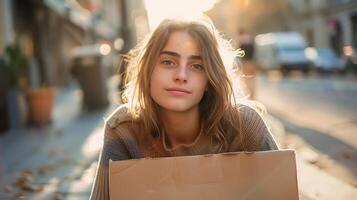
(61, 70)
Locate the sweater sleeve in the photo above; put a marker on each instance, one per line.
(114, 148)
(255, 129)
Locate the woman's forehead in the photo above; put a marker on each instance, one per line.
(182, 43)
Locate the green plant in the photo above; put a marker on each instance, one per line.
(15, 65)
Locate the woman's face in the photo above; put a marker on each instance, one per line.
(178, 80)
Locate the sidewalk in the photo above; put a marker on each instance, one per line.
(313, 182)
(54, 162)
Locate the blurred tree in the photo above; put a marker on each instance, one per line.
(15, 65)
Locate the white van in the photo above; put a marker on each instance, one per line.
(281, 50)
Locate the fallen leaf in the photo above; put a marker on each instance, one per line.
(44, 169)
(23, 179)
(66, 161)
(57, 197)
(26, 173)
(321, 162)
(32, 188)
(23, 182)
(81, 162)
(8, 188)
(347, 154)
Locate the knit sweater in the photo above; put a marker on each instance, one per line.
(123, 140)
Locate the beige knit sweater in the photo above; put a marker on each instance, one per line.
(123, 140)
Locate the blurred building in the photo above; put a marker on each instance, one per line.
(309, 18)
(326, 23)
(323, 23)
(47, 30)
(342, 23)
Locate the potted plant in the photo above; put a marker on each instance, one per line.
(40, 98)
(39, 104)
(15, 70)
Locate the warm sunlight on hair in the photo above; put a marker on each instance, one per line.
(178, 9)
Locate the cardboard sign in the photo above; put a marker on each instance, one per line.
(227, 176)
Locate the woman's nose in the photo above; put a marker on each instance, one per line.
(181, 73)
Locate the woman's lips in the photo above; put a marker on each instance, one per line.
(178, 91)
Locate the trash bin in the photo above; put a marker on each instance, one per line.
(91, 76)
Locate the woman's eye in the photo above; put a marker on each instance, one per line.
(197, 66)
(168, 62)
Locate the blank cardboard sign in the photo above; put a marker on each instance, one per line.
(227, 176)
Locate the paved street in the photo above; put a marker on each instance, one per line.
(319, 114)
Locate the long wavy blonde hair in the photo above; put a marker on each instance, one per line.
(218, 108)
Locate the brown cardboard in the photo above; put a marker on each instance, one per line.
(228, 176)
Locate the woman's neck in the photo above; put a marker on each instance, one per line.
(181, 127)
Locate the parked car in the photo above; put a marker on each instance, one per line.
(324, 59)
(281, 50)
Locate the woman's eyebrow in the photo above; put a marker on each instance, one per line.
(171, 53)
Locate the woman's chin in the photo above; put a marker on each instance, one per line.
(177, 107)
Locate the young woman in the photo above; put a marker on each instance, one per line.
(179, 101)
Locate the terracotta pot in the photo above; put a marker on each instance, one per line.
(40, 103)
